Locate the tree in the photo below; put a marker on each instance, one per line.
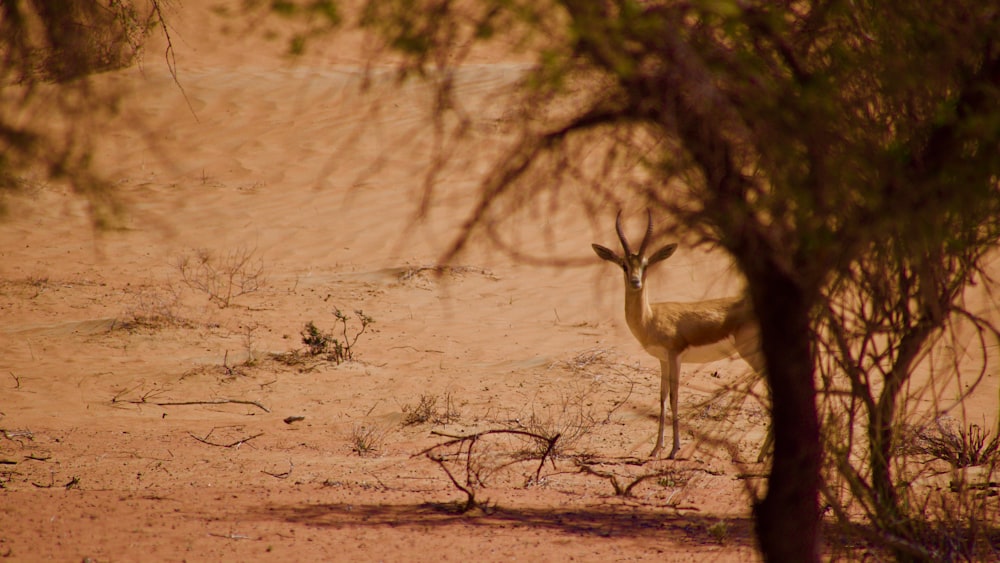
(48, 50)
(900, 306)
(837, 150)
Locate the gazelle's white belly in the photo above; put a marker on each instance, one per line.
(696, 354)
(657, 351)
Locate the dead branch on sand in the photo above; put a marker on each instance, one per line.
(235, 444)
(473, 477)
(144, 401)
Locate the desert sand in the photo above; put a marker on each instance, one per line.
(144, 421)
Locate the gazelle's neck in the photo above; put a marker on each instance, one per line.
(637, 311)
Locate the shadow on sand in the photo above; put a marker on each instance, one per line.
(597, 521)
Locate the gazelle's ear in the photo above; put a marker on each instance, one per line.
(662, 254)
(607, 254)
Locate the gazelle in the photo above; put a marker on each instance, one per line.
(665, 330)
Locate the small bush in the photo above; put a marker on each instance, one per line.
(958, 445)
(316, 341)
(151, 309)
(570, 420)
(366, 439)
(332, 348)
(426, 410)
(719, 531)
(224, 278)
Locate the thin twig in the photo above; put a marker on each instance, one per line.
(604, 475)
(283, 475)
(237, 443)
(188, 403)
(231, 536)
(622, 491)
(171, 58)
(631, 387)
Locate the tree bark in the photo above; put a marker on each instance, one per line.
(788, 518)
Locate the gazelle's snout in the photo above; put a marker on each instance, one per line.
(633, 277)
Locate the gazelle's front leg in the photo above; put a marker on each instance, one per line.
(670, 371)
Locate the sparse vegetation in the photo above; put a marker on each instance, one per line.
(570, 420)
(417, 272)
(567, 424)
(333, 348)
(719, 531)
(29, 287)
(327, 346)
(366, 439)
(960, 446)
(249, 339)
(152, 308)
(225, 278)
(427, 410)
(316, 341)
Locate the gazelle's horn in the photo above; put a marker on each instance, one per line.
(621, 235)
(649, 233)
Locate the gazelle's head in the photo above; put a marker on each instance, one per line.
(634, 264)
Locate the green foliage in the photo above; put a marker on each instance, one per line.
(319, 17)
(316, 341)
(63, 42)
(325, 10)
(333, 348)
(719, 531)
(366, 440)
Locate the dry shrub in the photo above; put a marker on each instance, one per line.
(367, 439)
(565, 422)
(960, 446)
(223, 278)
(427, 410)
(152, 308)
(326, 344)
(470, 461)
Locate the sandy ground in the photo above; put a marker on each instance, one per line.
(144, 421)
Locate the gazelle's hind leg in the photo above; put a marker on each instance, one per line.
(675, 380)
(748, 345)
(661, 423)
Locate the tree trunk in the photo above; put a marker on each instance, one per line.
(880, 431)
(788, 518)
